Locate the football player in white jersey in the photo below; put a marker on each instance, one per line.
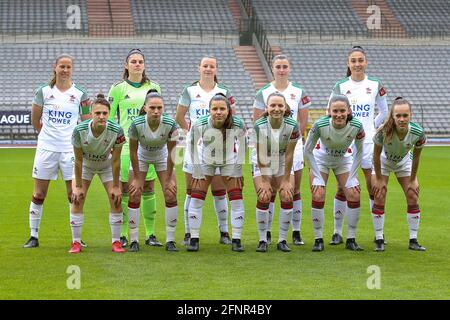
(393, 142)
(97, 146)
(153, 139)
(365, 94)
(213, 140)
(57, 107)
(195, 100)
(337, 132)
(276, 135)
(298, 102)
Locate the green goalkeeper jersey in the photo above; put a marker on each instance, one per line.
(126, 99)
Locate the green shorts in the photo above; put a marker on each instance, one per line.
(125, 169)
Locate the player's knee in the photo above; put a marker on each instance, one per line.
(38, 197)
(169, 197)
(340, 194)
(135, 198)
(318, 195)
(171, 202)
(352, 195)
(264, 198)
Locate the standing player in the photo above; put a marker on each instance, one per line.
(276, 138)
(298, 102)
(97, 145)
(336, 133)
(213, 140)
(195, 99)
(393, 142)
(152, 141)
(365, 94)
(126, 98)
(56, 108)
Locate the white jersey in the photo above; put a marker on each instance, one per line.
(197, 99)
(334, 144)
(60, 115)
(97, 149)
(364, 96)
(295, 96)
(153, 144)
(396, 150)
(208, 146)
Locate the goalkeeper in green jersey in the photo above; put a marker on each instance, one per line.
(126, 98)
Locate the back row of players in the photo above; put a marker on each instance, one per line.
(349, 136)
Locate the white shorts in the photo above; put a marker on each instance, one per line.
(400, 169)
(228, 170)
(298, 157)
(159, 165)
(274, 172)
(187, 165)
(367, 154)
(104, 171)
(47, 163)
(339, 167)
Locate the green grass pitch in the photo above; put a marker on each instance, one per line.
(215, 272)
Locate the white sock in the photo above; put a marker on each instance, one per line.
(35, 215)
(297, 215)
(339, 214)
(378, 225)
(271, 212)
(133, 223)
(76, 224)
(115, 222)
(317, 220)
(221, 208)
(171, 222)
(284, 219)
(237, 218)
(413, 222)
(186, 216)
(352, 221)
(262, 219)
(195, 216)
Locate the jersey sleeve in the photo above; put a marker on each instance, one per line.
(231, 99)
(38, 97)
(378, 138)
(185, 98)
(114, 102)
(304, 102)
(173, 132)
(85, 103)
(133, 132)
(76, 138)
(295, 133)
(259, 101)
(421, 142)
(120, 139)
(361, 134)
(382, 105)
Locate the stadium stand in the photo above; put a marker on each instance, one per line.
(308, 16)
(39, 17)
(178, 15)
(421, 18)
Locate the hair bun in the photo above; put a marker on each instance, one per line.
(152, 90)
(100, 96)
(398, 98)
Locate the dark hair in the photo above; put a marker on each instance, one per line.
(152, 93)
(388, 126)
(100, 99)
(229, 120)
(340, 98)
(126, 73)
(355, 49)
(287, 112)
(61, 56)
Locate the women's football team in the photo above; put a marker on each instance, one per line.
(129, 141)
